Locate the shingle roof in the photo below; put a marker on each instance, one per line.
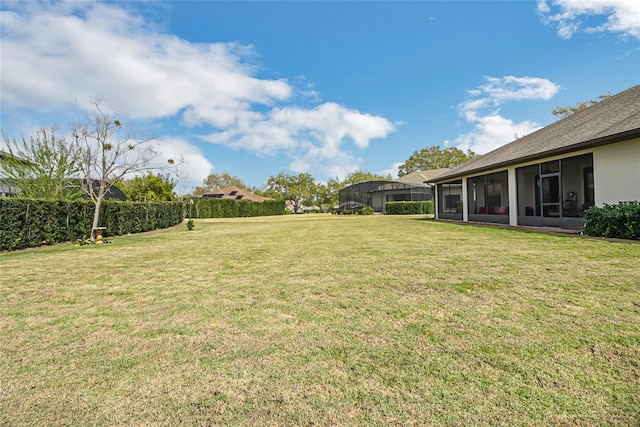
(614, 119)
(421, 177)
(234, 193)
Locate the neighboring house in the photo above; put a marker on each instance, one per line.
(551, 176)
(6, 189)
(113, 193)
(412, 187)
(423, 177)
(234, 193)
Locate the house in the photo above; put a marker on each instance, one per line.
(412, 187)
(423, 177)
(6, 189)
(551, 176)
(234, 193)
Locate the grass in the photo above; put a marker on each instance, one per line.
(323, 320)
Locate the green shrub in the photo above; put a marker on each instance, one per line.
(229, 208)
(621, 221)
(367, 210)
(28, 223)
(409, 208)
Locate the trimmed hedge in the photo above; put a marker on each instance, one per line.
(29, 223)
(409, 208)
(229, 208)
(621, 221)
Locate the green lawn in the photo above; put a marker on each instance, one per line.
(323, 320)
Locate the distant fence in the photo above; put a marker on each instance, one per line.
(29, 223)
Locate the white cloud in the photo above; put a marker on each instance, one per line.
(194, 168)
(314, 138)
(55, 54)
(84, 51)
(491, 132)
(490, 129)
(616, 16)
(392, 171)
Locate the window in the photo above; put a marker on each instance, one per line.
(497, 194)
(449, 199)
(550, 167)
(488, 194)
(451, 202)
(528, 191)
(589, 197)
(555, 193)
(476, 189)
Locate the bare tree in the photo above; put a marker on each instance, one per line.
(107, 152)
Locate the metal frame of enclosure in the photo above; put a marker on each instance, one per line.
(377, 193)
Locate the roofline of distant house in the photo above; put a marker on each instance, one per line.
(388, 181)
(592, 143)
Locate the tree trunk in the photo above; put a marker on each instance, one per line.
(96, 211)
(96, 218)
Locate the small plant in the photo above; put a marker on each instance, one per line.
(367, 210)
(84, 241)
(190, 224)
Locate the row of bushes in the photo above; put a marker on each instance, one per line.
(229, 208)
(621, 221)
(28, 223)
(410, 208)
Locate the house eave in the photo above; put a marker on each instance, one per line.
(592, 143)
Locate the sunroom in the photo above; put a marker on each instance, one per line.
(552, 176)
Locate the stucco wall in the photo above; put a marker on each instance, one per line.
(616, 171)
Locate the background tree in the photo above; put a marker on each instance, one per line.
(361, 176)
(563, 112)
(435, 158)
(218, 181)
(42, 168)
(320, 197)
(333, 187)
(297, 190)
(107, 152)
(148, 188)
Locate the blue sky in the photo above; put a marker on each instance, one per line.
(259, 88)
